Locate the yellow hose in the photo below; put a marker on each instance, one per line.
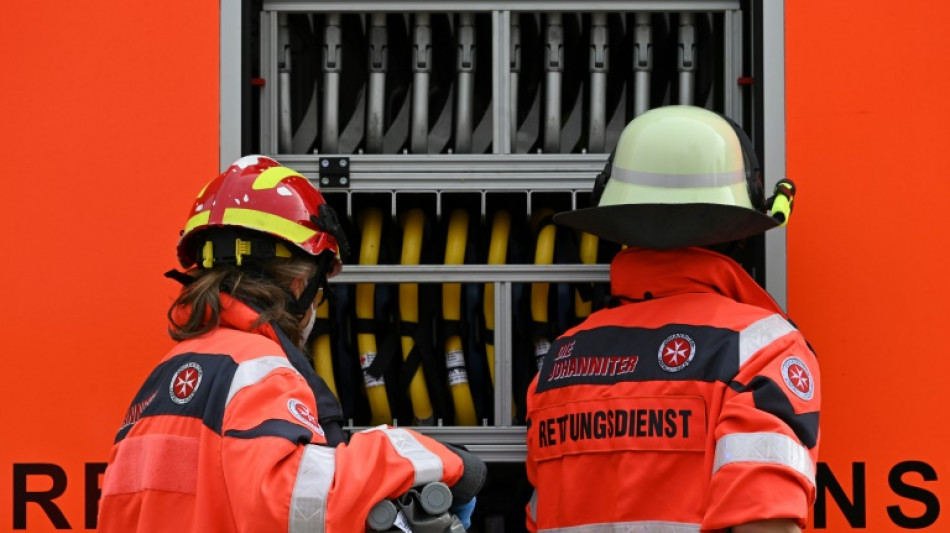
(412, 223)
(371, 222)
(451, 311)
(497, 255)
(588, 253)
(321, 351)
(543, 255)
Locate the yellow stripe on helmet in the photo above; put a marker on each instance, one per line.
(272, 176)
(198, 220)
(203, 189)
(270, 223)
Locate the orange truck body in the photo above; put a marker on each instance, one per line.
(111, 126)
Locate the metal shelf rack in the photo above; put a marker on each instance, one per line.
(504, 168)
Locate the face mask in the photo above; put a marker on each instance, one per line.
(305, 333)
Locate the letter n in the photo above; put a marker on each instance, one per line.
(855, 510)
(21, 471)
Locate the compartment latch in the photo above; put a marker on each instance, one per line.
(335, 172)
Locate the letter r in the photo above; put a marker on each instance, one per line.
(44, 498)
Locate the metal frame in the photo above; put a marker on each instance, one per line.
(229, 91)
(230, 45)
(732, 103)
(501, 26)
(482, 5)
(481, 174)
(501, 171)
(773, 66)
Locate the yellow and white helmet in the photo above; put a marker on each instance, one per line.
(680, 176)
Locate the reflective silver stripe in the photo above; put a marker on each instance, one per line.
(760, 334)
(628, 527)
(308, 503)
(533, 506)
(253, 371)
(428, 466)
(677, 181)
(773, 448)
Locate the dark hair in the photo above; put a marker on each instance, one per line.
(267, 291)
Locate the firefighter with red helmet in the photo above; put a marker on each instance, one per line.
(233, 430)
(691, 402)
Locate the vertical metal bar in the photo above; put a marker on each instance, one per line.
(230, 118)
(503, 353)
(465, 65)
(268, 94)
(597, 128)
(553, 67)
(501, 86)
(421, 69)
(285, 134)
(732, 66)
(332, 58)
(376, 96)
(773, 136)
(642, 62)
(515, 68)
(686, 58)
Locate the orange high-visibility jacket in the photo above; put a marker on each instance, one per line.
(691, 406)
(225, 436)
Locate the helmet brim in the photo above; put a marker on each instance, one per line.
(668, 226)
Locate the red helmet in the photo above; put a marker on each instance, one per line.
(257, 193)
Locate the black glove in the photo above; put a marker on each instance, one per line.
(473, 475)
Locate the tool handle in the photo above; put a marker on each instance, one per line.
(382, 516)
(435, 498)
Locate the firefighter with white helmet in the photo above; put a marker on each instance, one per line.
(233, 430)
(691, 402)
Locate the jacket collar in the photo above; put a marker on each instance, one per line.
(234, 314)
(238, 315)
(640, 273)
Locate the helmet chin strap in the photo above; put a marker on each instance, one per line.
(316, 282)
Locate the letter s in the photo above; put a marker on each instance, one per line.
(932, 505)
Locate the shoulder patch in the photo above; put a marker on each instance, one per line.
(798, 378)
(301, 412)
(185, 383)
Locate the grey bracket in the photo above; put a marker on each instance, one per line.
(553, 68)
(642, 63)
(466, 83)
(332, 57)
(515, 71)
(597, 127)
(376, 99)
(421, 69)
(686, 58)
(284, 131)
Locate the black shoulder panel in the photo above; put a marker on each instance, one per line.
(768, 396)
(614, 354)
(189, 384)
